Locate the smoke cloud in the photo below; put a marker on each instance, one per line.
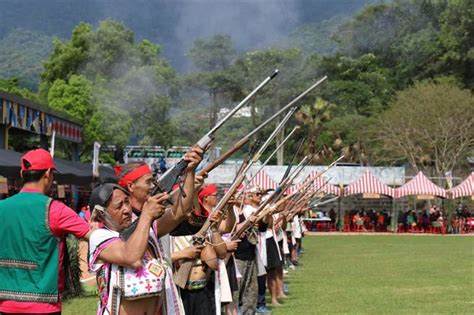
(251, 24)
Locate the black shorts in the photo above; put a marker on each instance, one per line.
(273, 259)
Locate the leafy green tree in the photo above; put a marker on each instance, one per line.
(457, 39)
(252, 67)
(212, 54)
(356, 86)
(345, 134)
(317, 37)
(416, 39)
(76, 98)
(13, 85)
(430, 126)
(122, 87)
(66, 58)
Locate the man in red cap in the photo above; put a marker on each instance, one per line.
(33, 251)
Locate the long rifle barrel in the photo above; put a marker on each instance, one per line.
(278, 192)
(281, 144)
(273, 153)
(242, 103)
(288, 169)
(240, 178)
(273, 135)
(209, 167)
(290, 104)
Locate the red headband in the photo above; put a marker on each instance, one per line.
(204, 192)
(134, 175)
(207, 190)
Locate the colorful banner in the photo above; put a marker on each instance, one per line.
(23, 117)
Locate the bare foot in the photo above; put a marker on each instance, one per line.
(282, 296)
(276, 304)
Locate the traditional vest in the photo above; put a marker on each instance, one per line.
(29, 252)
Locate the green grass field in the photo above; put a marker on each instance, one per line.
(372, 275)
(383, 274)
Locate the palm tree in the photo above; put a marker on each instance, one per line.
(312, 117)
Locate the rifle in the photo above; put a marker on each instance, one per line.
(247, 223)
(209, 167)
(293, 195)
(253, 150)
(273, 153)
(182, 275)
(302, 200)
(261, 213)
(246, 161)
(307, 185)
(166, 181)
(288, 169)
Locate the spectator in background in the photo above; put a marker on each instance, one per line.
(358, 221)
(380, 222)
(465, 213)
(425, 221)
(402, 220)
(440, 219)
(411, 222)
(162, 163)
(85, 213)
(455, 225)
(461, 224)
(332, 215)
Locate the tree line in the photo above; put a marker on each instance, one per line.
(399, 90)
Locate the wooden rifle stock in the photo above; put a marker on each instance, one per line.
(182, 274)
(247, 223)
(210, 166)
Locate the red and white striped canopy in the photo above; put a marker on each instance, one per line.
(368, 183)
(420, 185)
(263, 181)
(296, 187)
(321, 184)
(466, 188)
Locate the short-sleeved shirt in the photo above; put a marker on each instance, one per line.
(107, 278)
(106, 273)
(62, 221)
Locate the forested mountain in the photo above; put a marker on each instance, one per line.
(176, 24)
(160, 72)
(21, 55)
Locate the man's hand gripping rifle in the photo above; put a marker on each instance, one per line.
(167, 181)
(182, 275)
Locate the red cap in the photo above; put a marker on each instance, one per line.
(35, 160)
